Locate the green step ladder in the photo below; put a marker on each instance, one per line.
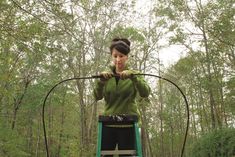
(119, 120)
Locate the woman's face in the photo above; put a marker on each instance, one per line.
(119, 59)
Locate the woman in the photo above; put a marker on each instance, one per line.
(119, 94)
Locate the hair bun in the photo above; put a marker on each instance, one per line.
(121, 44)
(122, 39)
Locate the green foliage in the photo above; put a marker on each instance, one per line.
(186, 65)
(230, 99)
(11, 144)
(219, 143)
(129, 32)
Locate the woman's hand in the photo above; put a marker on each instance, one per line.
(105, 76)
(126, 74)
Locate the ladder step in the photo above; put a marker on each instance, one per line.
(118, 152)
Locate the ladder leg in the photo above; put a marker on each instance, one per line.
(98, 151)
(138, 140)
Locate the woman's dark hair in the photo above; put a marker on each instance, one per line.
(121, 44)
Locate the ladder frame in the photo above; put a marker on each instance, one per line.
(119, 121)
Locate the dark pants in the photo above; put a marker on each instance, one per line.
(124, 138)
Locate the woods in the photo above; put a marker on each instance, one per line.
(44, 42)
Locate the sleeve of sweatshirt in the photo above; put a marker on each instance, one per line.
(141, 85)
(98, 90)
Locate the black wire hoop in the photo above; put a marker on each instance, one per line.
(98, 76)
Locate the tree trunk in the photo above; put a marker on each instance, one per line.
(146, 145)
(38, 140)
(161, 113)
(209, 76)
(62, 126)
(18, 103)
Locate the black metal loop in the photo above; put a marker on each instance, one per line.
(99, 76)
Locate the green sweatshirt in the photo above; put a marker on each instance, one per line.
(120, 96)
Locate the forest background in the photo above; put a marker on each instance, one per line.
(44, 42)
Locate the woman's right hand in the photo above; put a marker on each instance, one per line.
(105, 75)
